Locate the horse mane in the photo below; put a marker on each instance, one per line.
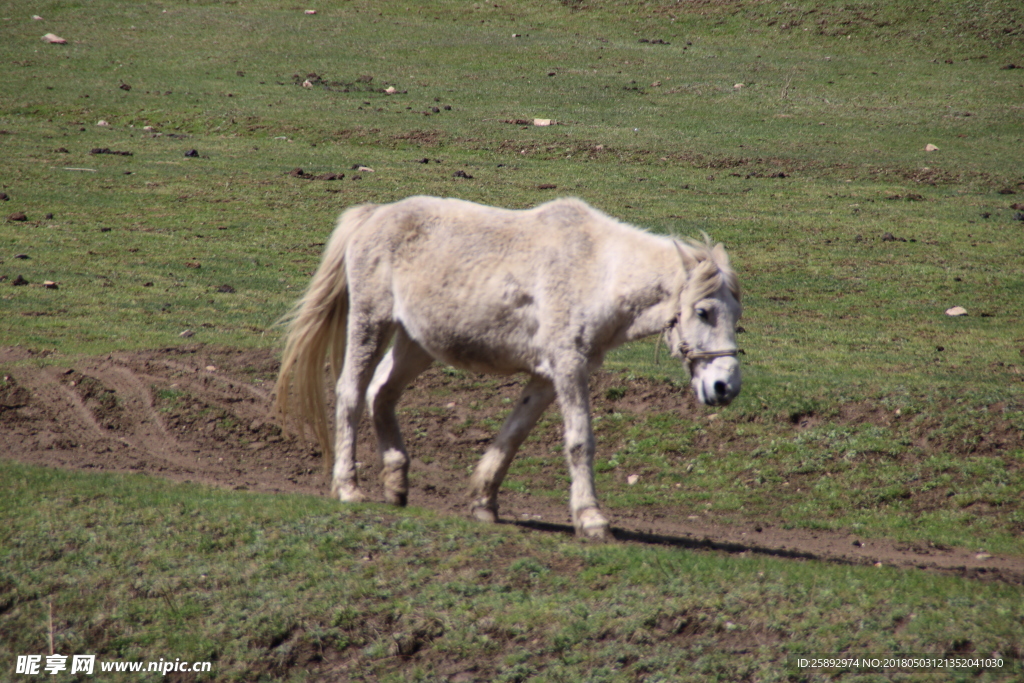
(712, 272)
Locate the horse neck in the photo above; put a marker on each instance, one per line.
(651, 280)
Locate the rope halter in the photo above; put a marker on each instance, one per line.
(690, 356)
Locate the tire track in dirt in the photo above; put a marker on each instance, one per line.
(73, 401)
(201, 414)
(147, 432)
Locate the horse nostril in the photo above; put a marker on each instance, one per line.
(721, 388)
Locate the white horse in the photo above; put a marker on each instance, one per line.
(546, 291)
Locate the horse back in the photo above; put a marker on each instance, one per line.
(486, 288)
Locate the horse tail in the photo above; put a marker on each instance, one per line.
(316, 328)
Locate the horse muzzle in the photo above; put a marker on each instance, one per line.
(715, 377)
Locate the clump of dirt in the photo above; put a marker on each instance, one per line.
(201, 414)
(12, 394)
(299, 173)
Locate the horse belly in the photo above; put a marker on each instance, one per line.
(491, 327)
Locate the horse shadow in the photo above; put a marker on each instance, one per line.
(647, 538)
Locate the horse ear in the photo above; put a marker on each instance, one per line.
(688, 260)
(719, 256)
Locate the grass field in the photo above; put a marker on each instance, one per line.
(265, 587)
(793, 132)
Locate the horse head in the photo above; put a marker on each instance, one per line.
(703, 332)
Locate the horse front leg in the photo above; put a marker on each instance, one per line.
(537, 395)
(574, 401)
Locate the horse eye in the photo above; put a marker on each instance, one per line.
(702, 313)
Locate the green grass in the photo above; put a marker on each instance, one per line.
(839, 97)
(815, 296)
(901, 476)
(267, 586)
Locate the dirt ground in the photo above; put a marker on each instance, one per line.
(200, 414)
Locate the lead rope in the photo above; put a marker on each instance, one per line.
(657, 344)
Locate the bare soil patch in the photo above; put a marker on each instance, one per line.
(200, 414)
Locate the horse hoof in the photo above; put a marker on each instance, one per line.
(600, 533)
(593, 526)
(348, 494)
(399, 499)
(484, 514)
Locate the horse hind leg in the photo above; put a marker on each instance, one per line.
(402, 364)
(366, 344)
(537, 395)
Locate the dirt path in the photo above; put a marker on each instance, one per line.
(200, 414)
